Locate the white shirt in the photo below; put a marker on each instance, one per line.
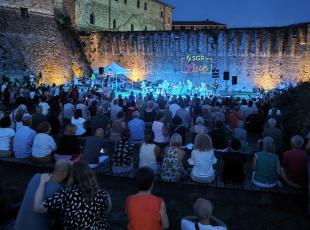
(174, 108)
(43, 145)
(79, 123)
(147, 157)
(203, 163)
(189, 225)
(157, 128)
(84, 109)
(45, 108)
(6, 135)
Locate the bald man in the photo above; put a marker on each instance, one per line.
(27, 219)
(203, 217)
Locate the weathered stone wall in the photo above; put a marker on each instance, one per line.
(259, 57)
(38, 6)
(125, 15)
(36, 44)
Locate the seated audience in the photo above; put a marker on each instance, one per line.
(27, 219)
(136, 127)
(172, 167)
(37, 117)
(43, 144)
(199, 127)
(100, 120)
(79, 122)
(177, 127)
(160, 131)
(93, 148)
(294, 163)
(241, 134)
(23, 139)
(144, 210)
(203, 218)
(275, 133)
(17, 116)
(118, 126)
(234, 117)
(203, 159)
(234, 161)
(218, 136)
(82, 205)
(69, 145)
(149, 153)
(266, 166)
(122, 156)
(68, 110)
(6, 136)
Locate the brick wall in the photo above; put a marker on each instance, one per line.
(259, 57)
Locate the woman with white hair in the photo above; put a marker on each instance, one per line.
(266, 165)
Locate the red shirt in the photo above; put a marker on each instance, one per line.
(143, 212)
(295, 163)
(233, 119)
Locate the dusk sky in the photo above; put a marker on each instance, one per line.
(243, 13)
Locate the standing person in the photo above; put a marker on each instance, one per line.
(203, 219)
(79, 122)
(172, 168)
(203, 159)
(234, 117)
(82, 205)
(115, 109)
(6, 136)
(27, 219)
(100, 120)
(144, 210)
(118, 126)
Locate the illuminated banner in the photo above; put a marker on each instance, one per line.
(196, 64)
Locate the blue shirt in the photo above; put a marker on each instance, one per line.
(136, 127)
(22, 142)
(27, 219)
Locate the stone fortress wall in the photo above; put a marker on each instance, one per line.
(36, 43)
(260, 57)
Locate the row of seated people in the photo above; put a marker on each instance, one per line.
(172, 162)
(70, 198)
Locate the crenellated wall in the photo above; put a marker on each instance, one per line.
(259, 57)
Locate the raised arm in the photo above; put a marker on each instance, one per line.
(39, 195)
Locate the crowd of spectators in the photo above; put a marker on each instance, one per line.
(171, 138)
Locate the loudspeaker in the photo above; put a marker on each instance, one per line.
(101, 70)
(234, 80)
(226, 76)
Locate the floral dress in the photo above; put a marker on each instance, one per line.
(171, 167)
